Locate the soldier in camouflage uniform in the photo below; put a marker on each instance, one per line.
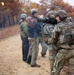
(47, 35)
(44, 33)
(43, 44)
(63, 39)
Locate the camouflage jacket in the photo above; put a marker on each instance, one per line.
(58, 38)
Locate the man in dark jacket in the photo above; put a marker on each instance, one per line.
(33, 38)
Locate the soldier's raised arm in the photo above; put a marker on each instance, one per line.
(50, 19)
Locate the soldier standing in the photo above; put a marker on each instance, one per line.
(24, 36)
(47, 36)
(63, 39)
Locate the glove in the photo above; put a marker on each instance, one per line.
(50, 21)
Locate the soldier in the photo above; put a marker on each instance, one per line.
(43, 43)
(47, 29)
(47, 35)
(62, 38)
(24, 36)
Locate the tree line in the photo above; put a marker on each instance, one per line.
(9, 13)
(11, 10)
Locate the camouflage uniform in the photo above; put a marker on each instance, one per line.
(47, 34)
(48, 39)
(62, 42)
(44, 48)
(43, 44)
(58, 64)
(46, 28)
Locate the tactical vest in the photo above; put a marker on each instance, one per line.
(47, 32)
(67, 34)
(47, 29)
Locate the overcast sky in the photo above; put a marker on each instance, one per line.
(71, 2)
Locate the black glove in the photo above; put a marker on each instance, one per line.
(50, 20)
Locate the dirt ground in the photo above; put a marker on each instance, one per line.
(11, 59)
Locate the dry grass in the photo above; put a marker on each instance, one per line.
(9, 31)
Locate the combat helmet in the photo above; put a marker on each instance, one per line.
(23, 16)
(51, 14)
(33, 11)
(62, 14)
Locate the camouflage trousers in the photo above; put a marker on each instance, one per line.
(52, 54)
(62, 56)
(44, 48)
(33, 49)
(43, 45)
